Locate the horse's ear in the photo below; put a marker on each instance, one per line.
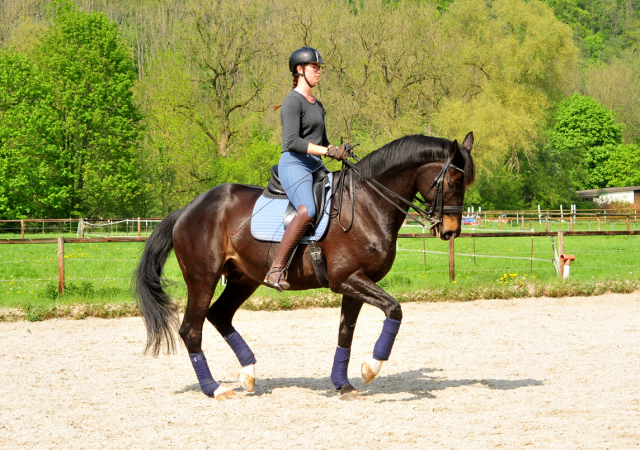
(454, 149)
(468, 142)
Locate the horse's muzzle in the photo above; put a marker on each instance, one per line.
(437, 231)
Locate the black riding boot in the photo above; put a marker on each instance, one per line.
(277, 277)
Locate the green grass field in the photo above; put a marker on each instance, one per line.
(101, 273)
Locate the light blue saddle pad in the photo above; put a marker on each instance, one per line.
(268, 215)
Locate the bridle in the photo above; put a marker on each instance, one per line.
(438, 201)
(432, 213)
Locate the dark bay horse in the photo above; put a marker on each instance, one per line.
(211, 238)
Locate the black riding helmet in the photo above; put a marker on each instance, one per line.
(302, 56)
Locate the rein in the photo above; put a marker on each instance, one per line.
(432, 213)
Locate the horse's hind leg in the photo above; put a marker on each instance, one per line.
(348, 317)
(199, 298)
(221, 316)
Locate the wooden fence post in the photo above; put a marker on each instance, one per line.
(81, 228)
(546, 223)
(571, 223)
(627, 222)
(60, 265)
(532, 237)
(474, 247)
(561, 252)
(22, 228)
(598, 217)
(522, 220)
(452, 262)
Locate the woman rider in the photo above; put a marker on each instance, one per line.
(304, 140)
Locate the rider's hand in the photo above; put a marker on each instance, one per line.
(338, 153)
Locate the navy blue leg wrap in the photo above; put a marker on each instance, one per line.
(207, 383)
(239, 347)
(340, 366)
(382, 349)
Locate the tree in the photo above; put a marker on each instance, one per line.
(623, 168)
(90, 73)
(32, 183)
(228, 58)
(617, 87)
(11, 13)
(512, 61)
(585, 133)
(178, 157)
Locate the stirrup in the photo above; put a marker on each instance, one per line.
(276, 285)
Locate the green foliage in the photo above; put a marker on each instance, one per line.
(622, 168)
(617, 87)
(38, 313)
(496, 187)
(583, 123)
(206, 76)
(177, 156)
(90, 74)
(512, 58)
(31, 182)
(546, 179)
(604, 28)
(585, 133)
(84, 289)
(252, 165)
(70, 130)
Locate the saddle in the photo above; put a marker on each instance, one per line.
(321, 188)
(270, 208)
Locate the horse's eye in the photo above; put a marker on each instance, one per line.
(452, 185)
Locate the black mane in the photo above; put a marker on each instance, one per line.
(412, 149)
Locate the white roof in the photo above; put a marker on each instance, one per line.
(596, 192)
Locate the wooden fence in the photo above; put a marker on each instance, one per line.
(80, 229)
(60, 240)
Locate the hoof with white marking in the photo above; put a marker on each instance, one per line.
(370, 369)
(224, 393)
(247, 378)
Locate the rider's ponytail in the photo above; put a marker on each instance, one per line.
(295, 84)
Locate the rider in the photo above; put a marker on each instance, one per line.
(304, 140)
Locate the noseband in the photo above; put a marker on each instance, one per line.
(432, 213)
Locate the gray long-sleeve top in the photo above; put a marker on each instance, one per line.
(302, 123)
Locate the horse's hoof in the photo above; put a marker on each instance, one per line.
(247, 378)
(223, 393)
(348, 393)
(370, 369)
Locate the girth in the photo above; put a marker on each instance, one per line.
(275, 190)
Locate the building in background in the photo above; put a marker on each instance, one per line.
(629, 195)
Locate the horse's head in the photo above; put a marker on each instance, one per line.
(443, 184)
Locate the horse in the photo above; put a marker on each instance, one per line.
(210, 239)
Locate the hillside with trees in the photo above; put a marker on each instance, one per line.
(121, 108)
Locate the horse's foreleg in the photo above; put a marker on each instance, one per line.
(381, 351)
(221, 316)
(362, 288)
(348, 317)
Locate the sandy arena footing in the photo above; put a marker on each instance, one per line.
(535, 373)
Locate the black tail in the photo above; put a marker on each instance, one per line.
(159, 312)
